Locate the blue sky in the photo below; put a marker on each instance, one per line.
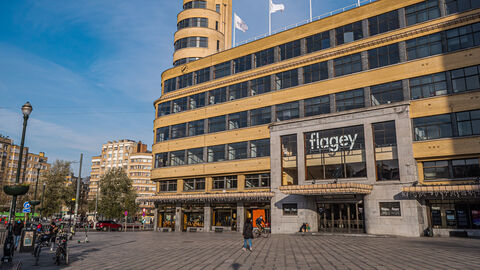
(92, 69)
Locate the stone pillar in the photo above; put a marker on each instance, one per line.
(178, 218)
(369, 152)
(443, 8)
(401, 18)
(240, 216)
(402, 49)
(300, 159)
(155, 220)
(331, 71)
(364, 56)
(207, 217)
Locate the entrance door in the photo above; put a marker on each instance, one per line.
(340, 217)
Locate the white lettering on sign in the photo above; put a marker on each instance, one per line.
(332, 143)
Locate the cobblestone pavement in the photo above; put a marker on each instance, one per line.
(156, 250)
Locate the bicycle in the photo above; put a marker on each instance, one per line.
(43, 240)
(61, 253)
(264, 232)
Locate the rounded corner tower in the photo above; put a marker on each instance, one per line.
(204, 27)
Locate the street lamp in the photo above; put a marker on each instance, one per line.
(8, 247)
(43, 196)
(34, 203)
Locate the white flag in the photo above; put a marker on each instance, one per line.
(239, 23)
(276, 7)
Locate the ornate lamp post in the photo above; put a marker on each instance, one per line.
(16, 190)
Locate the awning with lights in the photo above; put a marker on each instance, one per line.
(327, 189)
(211, 197)
(458, 191)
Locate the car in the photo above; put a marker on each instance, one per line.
(108, 225)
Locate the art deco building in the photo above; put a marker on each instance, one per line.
(133, 157)
(364, 121)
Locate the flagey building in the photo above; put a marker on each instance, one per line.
(364, 121)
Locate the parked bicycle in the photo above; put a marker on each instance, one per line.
(43, 240)
(61, 253)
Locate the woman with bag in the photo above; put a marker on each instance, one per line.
(247, 235)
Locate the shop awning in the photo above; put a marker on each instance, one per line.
(212, 197)
(327, 189)
(472, 190)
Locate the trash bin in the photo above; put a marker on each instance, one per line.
(27, 241)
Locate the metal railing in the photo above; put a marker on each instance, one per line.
(325, 15)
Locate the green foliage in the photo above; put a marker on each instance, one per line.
(57, 193)
(116, 194)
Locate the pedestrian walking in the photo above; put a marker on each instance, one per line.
(17, 232)
(52, 230)
(247, 235)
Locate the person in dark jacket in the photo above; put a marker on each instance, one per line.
(17, 231)
(247, 235)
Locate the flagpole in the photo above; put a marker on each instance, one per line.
(269, 19)
(310, 10)
(234, 28)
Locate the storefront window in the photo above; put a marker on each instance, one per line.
(386, 155)
(192, 216)
(289, 160)
(225, 215)
(454, 214)
(166, 216)
(390, 209)
(335, 153)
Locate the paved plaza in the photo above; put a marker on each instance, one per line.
(156, 250)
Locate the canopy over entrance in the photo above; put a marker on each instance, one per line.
(327, 189)
(442, 191)
(213, 197)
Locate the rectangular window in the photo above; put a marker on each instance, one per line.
(286, 79)
(290, 209)
(465, 79)
(217, 8)
(161, 160)
(194, 184)
(216, 153)
(260, 148)
(289, 160)
(237, 150)
(318, 42)
(390, 209)
(349, 33)
(421, 12)
(349, 100)
(260, 116)
(239, 90)
(218, 45)
(287, 111)
(196, 128)
(164, 109)
(432, 127)
(347, 64)
(225, 182)
(217, 96)
(454, 6)
(162, 134)
(195, 156)
(428, 86)
(197, 101)
(185, 80)
(261, 180)
(216, 124)
(315, 72)
(202, 75)
(463, 37)
(221, 70)
(317, 105)
(383, 56)
(260, 85)
(243, 63)
(289, 50)
(170, 85)
(383, 23)
(237, 120)
(460, 169)
(424, 46)
(436, 170)
(168, 186)
(387, 93)
(179, 131)
(264, 57)
(179, 105)
(466, 168)
(177, 158)
(386, 155)
(468, 123)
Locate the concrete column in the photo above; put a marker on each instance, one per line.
(332, 38)
(365, 28)
(178, 217)
(406, 89)
(300, 76)
(301, 159)
(367, 94)
(303, 46)
(331, 71)
(207, 217)
(240, 216)
(364, 56)
(443, 8)
(369, 153)
(333, 107)
(401, 18)
(402, 49)
(301, 108)
(155, 220)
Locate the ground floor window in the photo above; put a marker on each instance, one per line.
(225, 215)
(166, 216)
(391, 209)
(341, 217)
(193, 216)
(454, 214)
(254, 210)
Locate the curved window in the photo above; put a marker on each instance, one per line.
(192, 22)
(195, 4)
(201, 42)
(184, 61)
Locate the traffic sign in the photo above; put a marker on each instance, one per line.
(26, 205)
(26, 210)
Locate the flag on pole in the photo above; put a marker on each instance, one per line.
(239, 23)
(276, 7)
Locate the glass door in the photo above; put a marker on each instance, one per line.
(340, 217)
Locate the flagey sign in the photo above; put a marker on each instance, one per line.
(334, 143)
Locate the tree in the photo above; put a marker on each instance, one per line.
(116, 194)
(57, 193)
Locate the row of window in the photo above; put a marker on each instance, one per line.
(215, 153)
(219, 183)
(195, 4)
(192, 22)
(386, 209)
(416, 13)
(455, 39)
(185, 60)
(449, 125)
(189, 42)
(451, 169)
